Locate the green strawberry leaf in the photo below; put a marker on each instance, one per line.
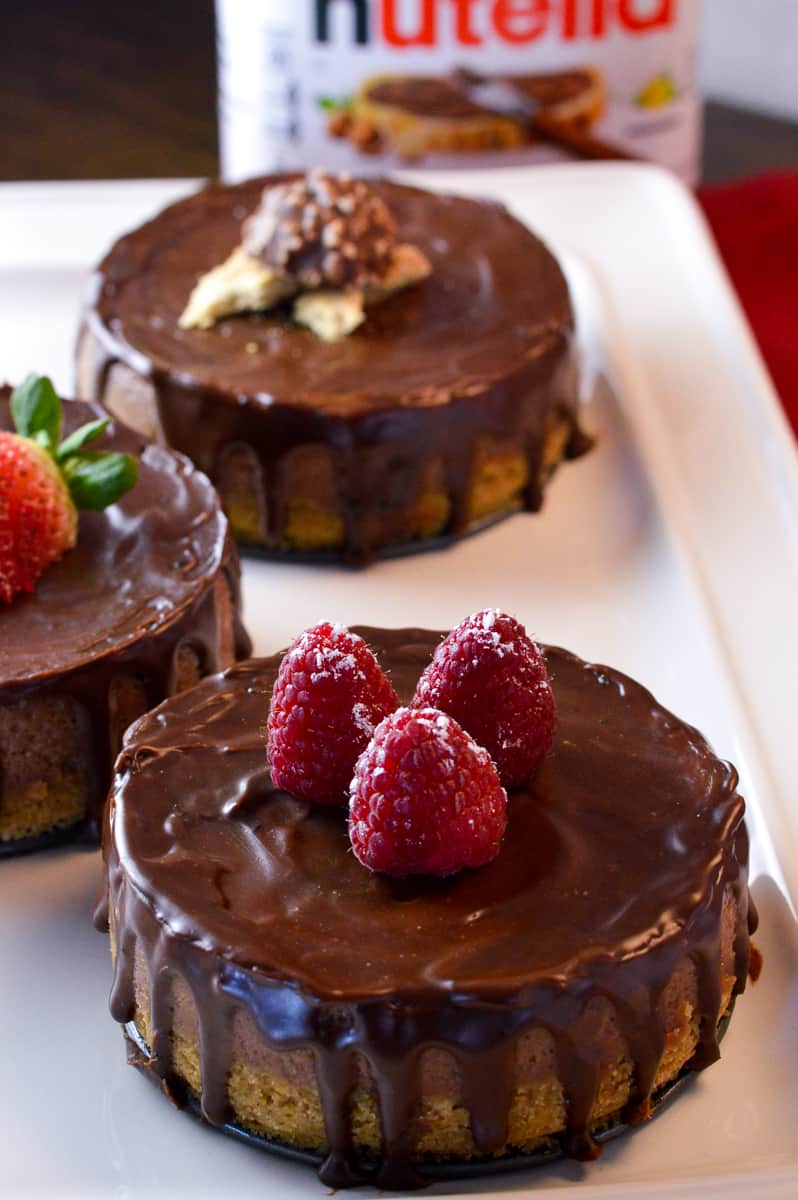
(98, 478)
(81, 437)
(36, 410)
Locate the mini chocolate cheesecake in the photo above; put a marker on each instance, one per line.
(448, 400)
(269, 979)
(145, 604)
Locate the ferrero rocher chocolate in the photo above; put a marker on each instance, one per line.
(385, 1023)
(328, 240)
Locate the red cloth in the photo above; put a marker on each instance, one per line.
(756, 226)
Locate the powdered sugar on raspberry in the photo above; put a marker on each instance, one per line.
(425, 798)
(362, 719)
(490, 676)
(329, 696)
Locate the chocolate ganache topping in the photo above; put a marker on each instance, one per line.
(480, 352)
(137, 584)
(323, 229)
(616, 863)
(494, 311)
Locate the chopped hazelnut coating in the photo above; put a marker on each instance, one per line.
(323, 230)
(328, 240)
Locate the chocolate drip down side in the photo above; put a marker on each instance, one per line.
(624, 866)
(479, 356)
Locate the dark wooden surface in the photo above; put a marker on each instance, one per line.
(125, 88)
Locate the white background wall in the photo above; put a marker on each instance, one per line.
(749, 53)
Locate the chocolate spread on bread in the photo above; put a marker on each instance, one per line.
(138, 585)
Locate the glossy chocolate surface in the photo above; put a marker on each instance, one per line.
(614, 866)
(480, 352)
(136, 568)
(138, 584)
(493, 304)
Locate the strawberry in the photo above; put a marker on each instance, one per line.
(44, 481)
(38, 521)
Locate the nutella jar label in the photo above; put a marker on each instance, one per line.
(377, 84)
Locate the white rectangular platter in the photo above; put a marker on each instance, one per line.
(671, 551)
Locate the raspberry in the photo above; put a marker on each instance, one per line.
(329, 695)
(491, 677)
(425, 798)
